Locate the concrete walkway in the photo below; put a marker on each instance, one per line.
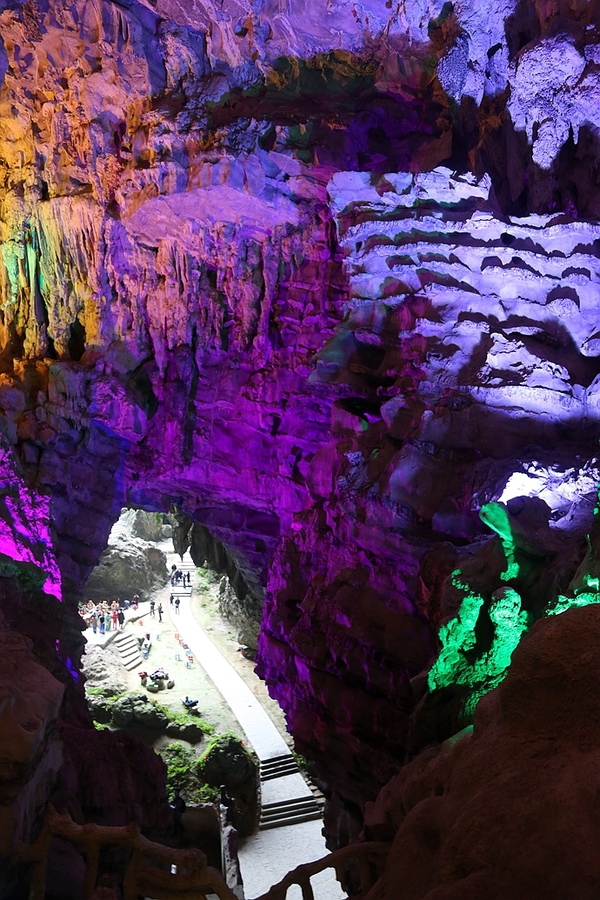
(269, 855)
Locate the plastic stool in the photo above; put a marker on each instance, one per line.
(158, 637)
(177, 637)
(188, 664)
(178, 657)
(190, 658)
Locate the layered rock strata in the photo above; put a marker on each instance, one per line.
(170, 266)
(464, 382)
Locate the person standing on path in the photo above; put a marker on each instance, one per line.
(178, 806)
(177, 602)
(171, 599)
(160, 612)
(152, 605)
(101, 622)
(121, 616)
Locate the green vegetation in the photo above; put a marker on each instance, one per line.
(101, 705)
(206, 578)
(94, 691)
(228, 742)
(226, 760)
(301, 761)
(186, 718)
(101, 710)
(179, 761)
(182, 773)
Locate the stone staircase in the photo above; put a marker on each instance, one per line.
(148, 861)
(289, 811)
(277, 767)
(129, 649)
(185, 565)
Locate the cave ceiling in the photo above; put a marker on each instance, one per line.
(323, 277)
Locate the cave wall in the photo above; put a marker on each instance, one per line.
(324, 279)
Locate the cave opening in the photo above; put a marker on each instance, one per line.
(164, 663)
(166, 647)
(327, 280)
(147, 562)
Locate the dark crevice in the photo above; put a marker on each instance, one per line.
(76, 345)
(140, 384)
(190, 418)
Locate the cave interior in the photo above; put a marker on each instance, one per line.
(323, 278)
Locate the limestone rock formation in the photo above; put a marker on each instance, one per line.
(30, 754)
(111, 778)
(188, 731)
(102, 667)
(138, 709)
(130, 564)
(511, 809)
(323, 278)
(150, 527)
(449, 350)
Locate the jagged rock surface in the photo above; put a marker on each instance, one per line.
(129, 565)
(30, 752)
(464, 328)
(170, 267)
(103, 668)
(510, 810)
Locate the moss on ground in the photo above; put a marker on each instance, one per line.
(182, 773)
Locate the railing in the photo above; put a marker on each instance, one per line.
(369, 859)
(356, 865)
(193, 878)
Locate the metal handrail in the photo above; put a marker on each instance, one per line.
(364, 855)
(193, 877)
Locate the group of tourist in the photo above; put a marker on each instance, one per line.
(105, 617)
(179, 577)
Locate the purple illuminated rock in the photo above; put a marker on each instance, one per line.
(182, 186)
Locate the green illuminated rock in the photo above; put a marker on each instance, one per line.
(495, 515)
(455, 664)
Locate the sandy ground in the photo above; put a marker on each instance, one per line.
(193, 681)
(205, 607)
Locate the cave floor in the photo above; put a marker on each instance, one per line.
(267, 856)
(231, 698)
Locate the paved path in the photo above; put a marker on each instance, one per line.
(261, 732)
(267, 856)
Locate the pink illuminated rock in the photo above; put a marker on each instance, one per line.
(26, 545)
(214, 298)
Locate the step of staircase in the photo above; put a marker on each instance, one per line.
(318, 796)
(288, 812)
(129, 650)
(278, 767)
